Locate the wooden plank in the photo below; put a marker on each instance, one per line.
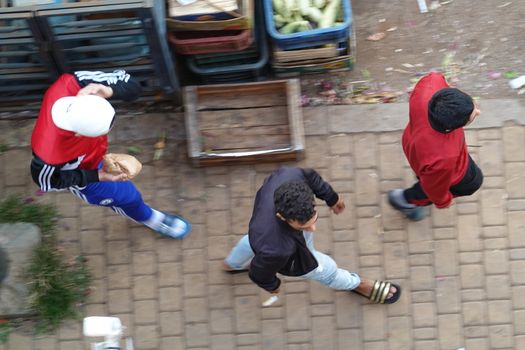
(225, 89)
(245, 142)
(191, 122)
(273, 157)
(253, 131)
(244, 123)
(295, 117)
(242, 118)
(243, 99)
(223, 151)
(201, 7)
(248, 138)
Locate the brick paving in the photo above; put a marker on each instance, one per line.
(462, 269)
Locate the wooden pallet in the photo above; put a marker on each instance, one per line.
(244, 123)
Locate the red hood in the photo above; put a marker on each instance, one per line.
(58, 146)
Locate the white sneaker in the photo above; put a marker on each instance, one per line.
(174, 226)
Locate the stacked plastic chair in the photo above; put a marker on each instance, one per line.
(301, 45)
(221, 47)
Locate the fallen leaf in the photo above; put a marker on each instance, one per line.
(133, 150)
(505, 4)
(434, 5)
(494, 75)
(376, 36)
(510, 74)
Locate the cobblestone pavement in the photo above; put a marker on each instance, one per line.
(462, 269)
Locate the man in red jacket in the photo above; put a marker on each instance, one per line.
(434, 144)
(70, 139)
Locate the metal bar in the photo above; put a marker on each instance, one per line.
(60, 37)
(161, 54)
(112, 46)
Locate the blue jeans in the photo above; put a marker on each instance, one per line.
(326, 273)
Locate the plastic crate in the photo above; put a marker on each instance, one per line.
(325, 51)
(308, 38)
(245, 65)
(215, 21)
(343, 62)
(202, 42)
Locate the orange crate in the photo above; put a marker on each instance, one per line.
(202, 42)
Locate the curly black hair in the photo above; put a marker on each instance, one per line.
(294, 200)
(449, 109)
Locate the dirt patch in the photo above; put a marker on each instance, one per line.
(479, 44)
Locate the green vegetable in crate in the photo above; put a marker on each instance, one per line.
(297, 26)
(319, 4)
(279, 20)
(330, 14)
(303, 6)
(314, 14)
(283, 8)
(291, 15)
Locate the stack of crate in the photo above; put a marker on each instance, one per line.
(40, 42)
(219, 40)
(315, 50)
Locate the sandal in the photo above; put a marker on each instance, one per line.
(380, 291)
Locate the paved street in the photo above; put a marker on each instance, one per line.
(462, 269)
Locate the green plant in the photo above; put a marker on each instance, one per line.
(15, 209)
(56, 286)
(5, 329)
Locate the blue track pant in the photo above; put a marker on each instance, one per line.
(121, 196)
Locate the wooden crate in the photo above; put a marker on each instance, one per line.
(244, 123)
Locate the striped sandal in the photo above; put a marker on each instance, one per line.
(379, 293)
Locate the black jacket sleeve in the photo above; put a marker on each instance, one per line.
(51, 177)
(263, 271)
(320, 188)
(124, 86)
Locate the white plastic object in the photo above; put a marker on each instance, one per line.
(422, 6)
(186, 2)
(270, 300)
(101, 326)
(518, 82)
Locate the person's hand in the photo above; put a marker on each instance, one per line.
(103, 176)
(338, 207)
(96, 89)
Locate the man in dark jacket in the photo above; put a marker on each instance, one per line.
(280, 238)
(434, 144)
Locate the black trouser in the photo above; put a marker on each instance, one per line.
(469, 184)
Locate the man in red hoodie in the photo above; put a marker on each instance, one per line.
(434, 144)
(70, 139)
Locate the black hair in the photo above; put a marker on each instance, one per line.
(294, 200)
(449, 109)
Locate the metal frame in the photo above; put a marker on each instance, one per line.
(60, 35)
(23, 76)
(159, 57)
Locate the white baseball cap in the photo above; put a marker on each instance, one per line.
(88, 115)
